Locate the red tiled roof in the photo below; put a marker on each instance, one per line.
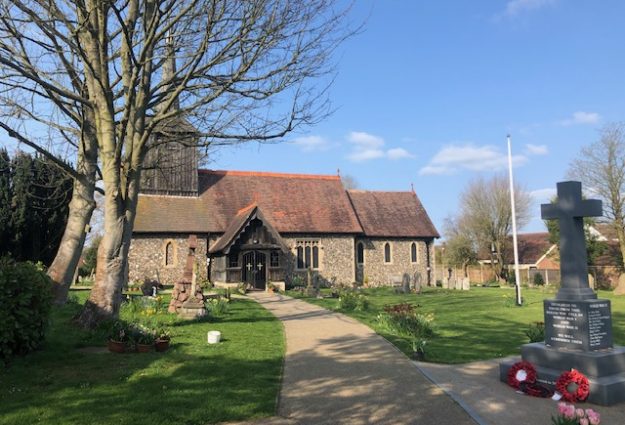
(295, 203)
(392, 214)
(532, 246)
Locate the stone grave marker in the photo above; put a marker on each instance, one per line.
(466, 284)
(416, 279)
(578, 326)
(405, 283)
(458, 284)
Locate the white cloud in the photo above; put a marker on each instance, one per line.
(543, 195)
(516, 7)
(453, 158)
(365, 140)
(312, 143)
(536, 149)
(368, 146)
(365, 155)
(398, 153)
(581, 117)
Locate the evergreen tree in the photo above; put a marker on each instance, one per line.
(5, 202)
(21, 220)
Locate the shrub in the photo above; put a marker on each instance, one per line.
(539, 280)
(403, 319)
(536, 332)
(25, 302)
(351, 300)
(217, 306)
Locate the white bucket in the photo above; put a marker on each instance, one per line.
(213, 337)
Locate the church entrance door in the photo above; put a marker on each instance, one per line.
(255, 269)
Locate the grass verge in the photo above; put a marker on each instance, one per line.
(479, 324)
(192, 383)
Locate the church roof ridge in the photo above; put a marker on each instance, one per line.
(269, 174)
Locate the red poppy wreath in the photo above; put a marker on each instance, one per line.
(573, 377)
(521, 372)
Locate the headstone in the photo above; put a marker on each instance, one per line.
(416, 279)
(458, 284)
(591, 281)
(466, 284)
(405, 283)
(578, 326)
(620, 289)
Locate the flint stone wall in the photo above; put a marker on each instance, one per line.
(336, 259)
(146, 258)
(375, 272)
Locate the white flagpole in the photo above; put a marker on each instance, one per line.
(517, 279)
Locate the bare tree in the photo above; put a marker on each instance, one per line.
(460, 249)
(601, 168)
(486, 216)
(237, 71)
(349, 182)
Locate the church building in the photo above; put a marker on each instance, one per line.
(260, 227)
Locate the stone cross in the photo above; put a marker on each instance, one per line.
(570, 211)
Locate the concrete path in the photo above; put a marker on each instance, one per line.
(477, 386)
(338, 371)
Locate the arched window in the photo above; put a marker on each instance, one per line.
(315, 257)
(169, 254)
(300, 257)
(413, 253)
(387, 252)
(360, 253)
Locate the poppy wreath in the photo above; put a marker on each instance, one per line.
(573, 377)
(513, 374)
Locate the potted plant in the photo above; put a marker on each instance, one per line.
(119, 337)
(163, 337)
(144, 340)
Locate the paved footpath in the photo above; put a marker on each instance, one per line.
(338, 371)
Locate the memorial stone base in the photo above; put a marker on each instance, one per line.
(605, 369)
(578, 335)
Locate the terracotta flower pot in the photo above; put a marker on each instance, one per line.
(116, 346)
(161, 345)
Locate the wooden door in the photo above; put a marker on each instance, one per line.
(255, 269)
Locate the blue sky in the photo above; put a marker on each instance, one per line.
(428, 92)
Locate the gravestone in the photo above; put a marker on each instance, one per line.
(417, 282)
(405, 283)
(458, 284)
(578, 326)
(466, 284)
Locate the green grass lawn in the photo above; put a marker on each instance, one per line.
(479, 324)
(192, 383)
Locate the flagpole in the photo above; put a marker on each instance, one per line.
(517, 279)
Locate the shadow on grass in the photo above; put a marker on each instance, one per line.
(192, 383)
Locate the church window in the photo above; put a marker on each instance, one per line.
(360, 253)
(169, 254)
(300, 257)
(274, 259)
(315, 257)
(387, 252)
(414, 258)
(233, 259)
(308, 254)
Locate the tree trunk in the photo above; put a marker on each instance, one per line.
(63, 268)
(620, 234)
